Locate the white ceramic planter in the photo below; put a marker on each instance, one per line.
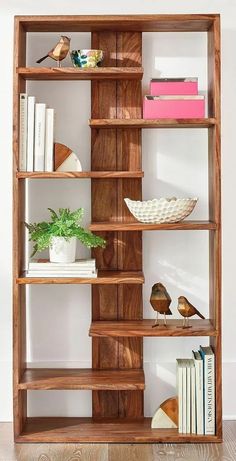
(62, 250)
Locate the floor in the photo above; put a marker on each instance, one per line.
(117, 452)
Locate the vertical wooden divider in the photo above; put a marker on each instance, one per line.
(214, 167)
(19, 304)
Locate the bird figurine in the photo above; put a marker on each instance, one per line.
(59, 52)
(160, 301)
(186, 309)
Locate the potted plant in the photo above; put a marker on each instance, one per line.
(60, 235)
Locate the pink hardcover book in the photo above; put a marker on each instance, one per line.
(173, 107)
(169, 86)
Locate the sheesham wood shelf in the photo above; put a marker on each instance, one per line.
(69, 378)
(104, 430)
(140, 328)
(104, 278)
(156, 123)
(117, 326)
(138, 226)
(79, 174)
(72, 73)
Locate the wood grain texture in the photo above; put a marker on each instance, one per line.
(85, 378)
(156, 123)
(144, 328)
(79, 174)
(138, 226)
(138, 22)
(214, 171)
(102, 430)
(72, 73)
(104, 278)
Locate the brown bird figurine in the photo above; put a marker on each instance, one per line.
(59, 52)
(186, 309)
(160, 301)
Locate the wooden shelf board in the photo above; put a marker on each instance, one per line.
(78, 174)
(138, 226)
(69, 378)
(146, 22)
(140, 328)
(157, 123)
(72, 73)
(64, 430)
(104, 278)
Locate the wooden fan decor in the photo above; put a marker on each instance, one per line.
(166, 416)
(65, 159)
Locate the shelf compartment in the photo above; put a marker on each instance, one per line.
(104, 278)
(140, 328)
(103, 430)
(78, 174)
(138, 226)
(72, 378)
(72, 73)
(157, 123)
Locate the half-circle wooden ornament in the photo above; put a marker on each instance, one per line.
(166, 416)
(65, 159)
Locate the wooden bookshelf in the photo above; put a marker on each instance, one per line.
(116, 377)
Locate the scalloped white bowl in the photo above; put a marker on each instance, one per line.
(162, 210)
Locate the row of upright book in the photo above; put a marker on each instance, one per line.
(196, 393)
(36, 144)
(84, 268)
(174, 98)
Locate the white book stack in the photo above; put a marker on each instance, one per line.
(36, 146)
(186, 396)
(84, 268)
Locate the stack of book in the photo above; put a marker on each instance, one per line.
(36, 135)
(196, 392)
(174, 98)
(84, 268)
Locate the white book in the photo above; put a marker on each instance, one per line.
(30, 133)
(199, 392)
(45, 265)
(49, 140)
(184, 397)
(180, 395)
(188, 398)
(23, 132)
(193, 400)
(209, 389)
(39, 138)
(82, 274)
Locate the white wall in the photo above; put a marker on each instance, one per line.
(175, 162)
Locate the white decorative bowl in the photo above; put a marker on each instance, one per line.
(162, 210)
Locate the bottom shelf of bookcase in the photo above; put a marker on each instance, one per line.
(122, 430)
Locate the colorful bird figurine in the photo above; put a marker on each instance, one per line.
(160, 301)
(59, 52)
(186, 309)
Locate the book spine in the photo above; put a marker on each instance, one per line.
(49, 140)
(49, 267)
(188, 400)
(23, 133)
(199, 396)
(209, 394)
(60, 274)
(180, 399)
(39, 145)
(193, 400)
(184, 400)
(30, 133)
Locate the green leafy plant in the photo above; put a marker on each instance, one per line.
(65, 224)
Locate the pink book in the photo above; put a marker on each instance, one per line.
(173, 107)
(169, 86)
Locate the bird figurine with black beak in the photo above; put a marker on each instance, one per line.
(59, 52)
(160, 301)
(186, 309)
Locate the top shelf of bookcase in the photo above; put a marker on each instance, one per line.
(72, 73)
(142, 23)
